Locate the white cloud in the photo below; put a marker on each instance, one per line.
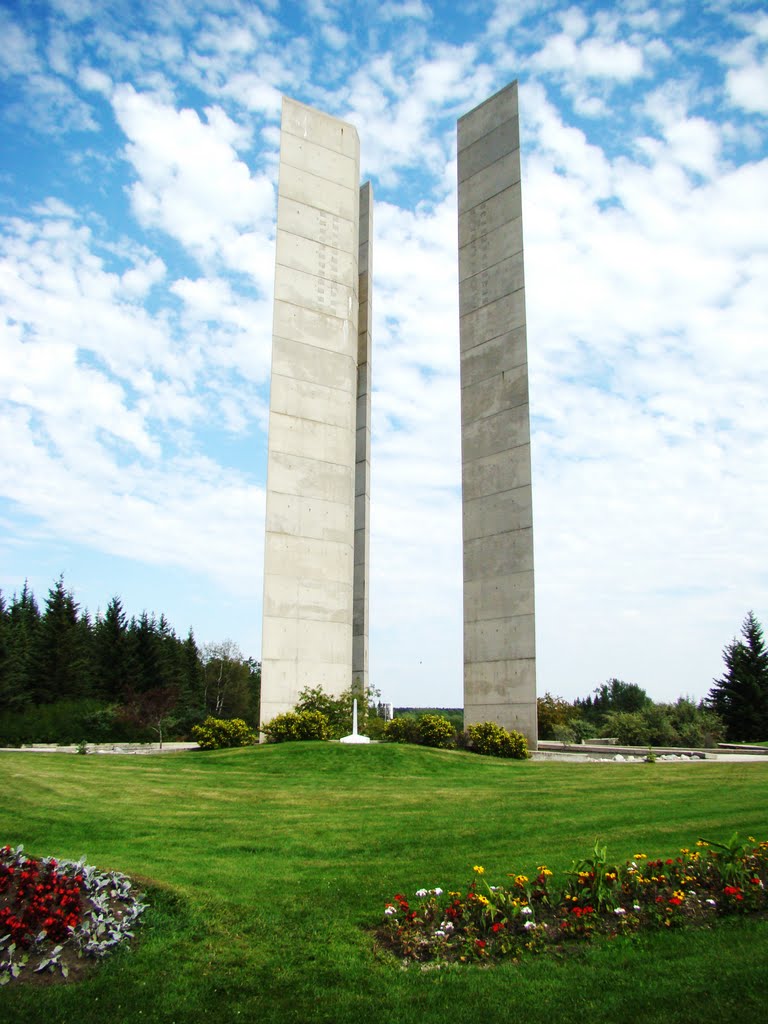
(335, 37)
(191, 182)
(393, 11)
(748, 87)
(93, 80)
(18, 52)
(593, 58)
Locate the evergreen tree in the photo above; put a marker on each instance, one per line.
(23, 623)
(58, 657)
(741, 696)
(5, 652)
(144, 643)
(114, 667)
(192, 687)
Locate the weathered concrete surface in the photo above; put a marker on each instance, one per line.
(363, 443)
(499, 635)
(309, 556)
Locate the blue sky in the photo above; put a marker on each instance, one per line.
(137, 207)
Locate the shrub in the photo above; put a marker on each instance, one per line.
(338, 710)
(495, 741)
(435, 731)
(297, 725)
(220, 732)
(401, 730)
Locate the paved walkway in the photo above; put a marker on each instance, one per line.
(102, 748)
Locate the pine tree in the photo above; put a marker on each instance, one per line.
(741, 696)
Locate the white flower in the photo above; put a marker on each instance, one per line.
(440, 934)
(421, 892)
(526, 910)
(635, 906)
(529, 924)
(390, 910)
(619, 911)
(437, 892)
(711, 903)
(447, 926)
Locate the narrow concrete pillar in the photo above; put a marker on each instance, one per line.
(363, 444)
(310, 513)
(499, 637)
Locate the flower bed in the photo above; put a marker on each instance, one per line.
(533, 914)
(55, 913)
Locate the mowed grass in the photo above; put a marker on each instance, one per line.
(268, 867)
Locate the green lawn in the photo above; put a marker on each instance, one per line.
(268, 866)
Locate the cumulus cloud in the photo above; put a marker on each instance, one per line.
(190, 180)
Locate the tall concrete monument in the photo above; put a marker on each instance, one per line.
(318, 469)
(499, 638)
(363, 442)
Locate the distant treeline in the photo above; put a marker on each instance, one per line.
(65, 676)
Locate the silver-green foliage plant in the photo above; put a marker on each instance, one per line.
(297, 725)
(215, 733)
(57, 911)
(495, 741)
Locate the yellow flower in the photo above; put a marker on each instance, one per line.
(478, 869)
(520, 880)
(701, 842)
(483, 900)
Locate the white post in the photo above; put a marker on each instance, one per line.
(354, 737)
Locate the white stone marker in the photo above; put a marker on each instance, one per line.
(355, 737)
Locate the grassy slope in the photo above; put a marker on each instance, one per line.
(270, 863)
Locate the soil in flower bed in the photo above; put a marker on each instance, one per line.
(59, 918)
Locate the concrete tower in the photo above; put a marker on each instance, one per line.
(319, 415)
(499, 637)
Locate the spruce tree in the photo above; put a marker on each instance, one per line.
(114, 667)
(23, 623)
(58, 655)
(741, 696)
